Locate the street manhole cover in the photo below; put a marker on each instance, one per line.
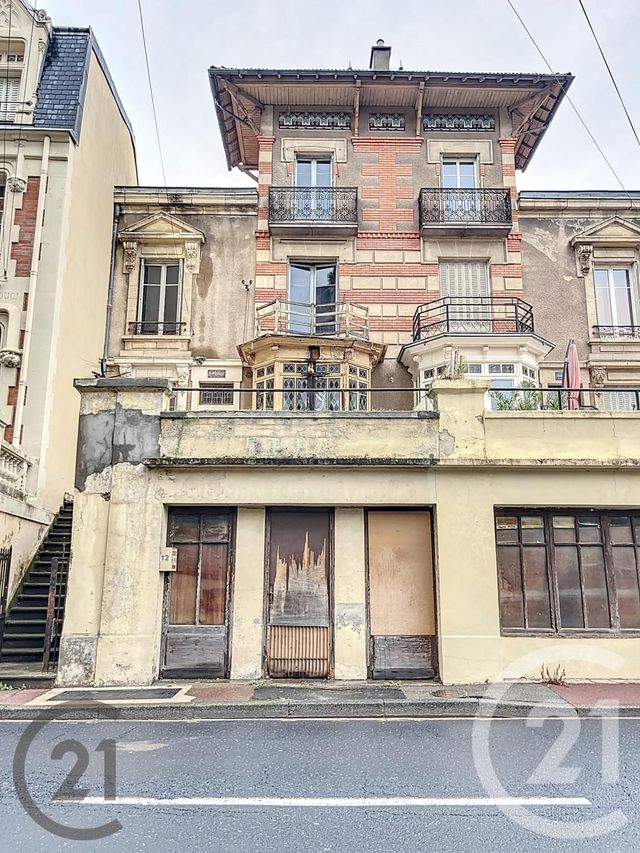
(450, 694)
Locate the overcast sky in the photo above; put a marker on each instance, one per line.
(187, 36)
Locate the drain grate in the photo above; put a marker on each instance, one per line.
(115, 695)
(450, 694)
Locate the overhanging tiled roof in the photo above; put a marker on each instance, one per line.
(240, 94)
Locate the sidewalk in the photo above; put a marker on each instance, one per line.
(268, 699)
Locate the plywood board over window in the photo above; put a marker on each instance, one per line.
(401, 594)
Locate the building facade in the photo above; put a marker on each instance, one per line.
(332, 438)
(66, 141)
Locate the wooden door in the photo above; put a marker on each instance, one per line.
(401, 594)
(299, 624)
(197, 607)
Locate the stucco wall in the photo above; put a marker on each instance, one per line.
(104, 157)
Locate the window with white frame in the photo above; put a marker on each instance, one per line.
(159, 302)
(312, 299)
(459, 177)
(621, 401)
(503, 376)
(11, 64)
(616, 299)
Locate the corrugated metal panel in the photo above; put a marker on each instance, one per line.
(298, 650)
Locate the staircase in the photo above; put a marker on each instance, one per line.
(25, 629)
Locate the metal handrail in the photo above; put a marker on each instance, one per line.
(460, 206)
(473, 315)
(328, 205)
(334, 320)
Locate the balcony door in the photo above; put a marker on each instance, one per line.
(312, 299)
(313, 188)
(466, 286)
(615, 301)
(459, 182)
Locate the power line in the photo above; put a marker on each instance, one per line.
(573, 106)
(153, 100)
(608, 67)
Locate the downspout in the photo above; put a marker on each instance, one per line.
(33, 286)
(112, 274)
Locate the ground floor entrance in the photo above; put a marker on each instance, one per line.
(298, 618)
(197, 593)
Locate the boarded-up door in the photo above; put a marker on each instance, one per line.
(196, 628)
(298, 632)
(401, 594)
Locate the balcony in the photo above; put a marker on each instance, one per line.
(465, 213)
(313, 211)
(473, 315)
(616, 332)
(14, 468)
(336, 320)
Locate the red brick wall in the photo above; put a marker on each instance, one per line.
(25, 218)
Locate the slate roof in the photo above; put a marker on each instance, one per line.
(63, 82)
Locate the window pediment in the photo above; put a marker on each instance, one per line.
(161, 229)
(613, 232)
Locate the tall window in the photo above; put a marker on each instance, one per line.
(312, 299)
(159, 307)
(465, 282)
(568, 571)
(313, 198)
(3, 190)
(614, 296)
(11, 63)
(459, 179)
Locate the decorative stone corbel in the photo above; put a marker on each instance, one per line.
(130, 259)
(584, 253)
(598, 376)
(192, 256)
(182, 372)
(10, 357)
(16, 185)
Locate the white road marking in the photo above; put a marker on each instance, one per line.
(333, 802)
(196, 720)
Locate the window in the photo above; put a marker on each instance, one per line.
(313, 199)
(9, 94)
(313, 172)
(159, 309)
(317, 391)
(216, 394)
(465, 282)
(621, 401)
(312, 299)
(459, 180)
(3, 190)
(265, 384)
(568, 571)
(614, 296)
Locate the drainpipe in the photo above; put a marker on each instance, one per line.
(112, 274)
(33, 285)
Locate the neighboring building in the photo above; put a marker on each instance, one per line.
(327, 401)
(66, 142)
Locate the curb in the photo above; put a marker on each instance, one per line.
(256, 710)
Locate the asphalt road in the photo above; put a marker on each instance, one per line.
(333, 785)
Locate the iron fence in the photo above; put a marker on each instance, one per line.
(473, 315)
(462, 206)
(144, 327)
(299, 205)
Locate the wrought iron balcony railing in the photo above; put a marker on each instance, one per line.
(490, 208)
(146, 328)
(616, 331)
(337, 206)
(473, 315)
(336, 320)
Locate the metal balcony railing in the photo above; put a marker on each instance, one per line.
(616, 331)
(146, 328)
(313, 206)
(473, 315)
(336, 320)
(488, 207)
